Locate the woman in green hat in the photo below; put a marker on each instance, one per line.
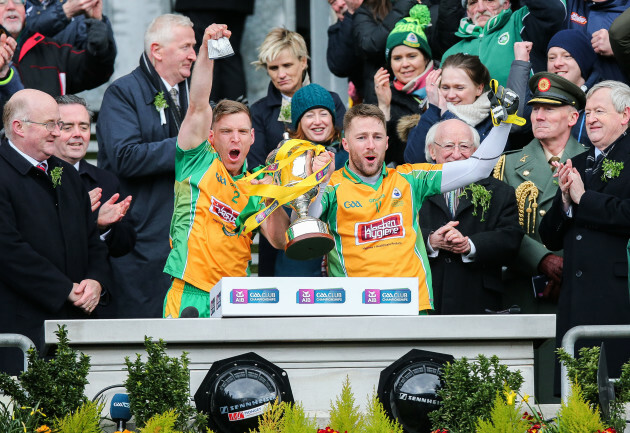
(408, 56)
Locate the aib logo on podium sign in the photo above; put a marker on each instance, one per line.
(257, 296)
(321, 296)
(389, 296)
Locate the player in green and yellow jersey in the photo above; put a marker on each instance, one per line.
(372, 210)
(210, 161)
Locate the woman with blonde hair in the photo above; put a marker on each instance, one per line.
(284, 55)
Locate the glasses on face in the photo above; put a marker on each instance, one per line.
(50, 126)
(450, 147)
(17, 2)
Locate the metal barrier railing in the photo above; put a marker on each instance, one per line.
(586, 331)
(17, 340)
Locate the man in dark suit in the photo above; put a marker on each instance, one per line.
(137, 130)
(590, 219)
(52, 263)
(467, 243)
(103, 187)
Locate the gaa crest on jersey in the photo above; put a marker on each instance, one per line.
(504, 38)
(388, 227)
(223, 211)
(396, 194)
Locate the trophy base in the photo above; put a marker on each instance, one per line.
(308, 238)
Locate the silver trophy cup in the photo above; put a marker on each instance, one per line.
(307, 237)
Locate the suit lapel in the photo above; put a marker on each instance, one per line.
(439, 201)
(618, 154)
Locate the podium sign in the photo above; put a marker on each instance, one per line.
(272, 296)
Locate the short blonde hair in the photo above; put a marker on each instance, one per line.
(160, 29)
(277, 40)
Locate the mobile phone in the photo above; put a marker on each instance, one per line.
(539, 282)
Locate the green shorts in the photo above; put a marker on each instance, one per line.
(182, 295)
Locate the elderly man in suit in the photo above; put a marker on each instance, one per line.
(590, 219)
(52, 263)
(137, 131)
(467, 244)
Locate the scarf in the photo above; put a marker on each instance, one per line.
(415, 87)
(474, 113)
(470, 31)
(174, 118)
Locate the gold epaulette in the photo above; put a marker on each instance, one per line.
(524, 191)
(499, 169)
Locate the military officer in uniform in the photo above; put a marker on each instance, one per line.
(535, 277)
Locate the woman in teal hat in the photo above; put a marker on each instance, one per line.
(313, 119)
(408, 56)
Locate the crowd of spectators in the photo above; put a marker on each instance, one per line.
(426, 65)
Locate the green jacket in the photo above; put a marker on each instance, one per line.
(530, 164)
(537, 22)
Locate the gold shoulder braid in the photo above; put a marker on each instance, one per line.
(524, 191)
(499, 169)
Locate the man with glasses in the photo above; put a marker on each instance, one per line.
(467, 243)
(52, 263)
(590, 220)
(55, 68)
(491, 28)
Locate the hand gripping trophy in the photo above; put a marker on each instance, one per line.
(295, 186)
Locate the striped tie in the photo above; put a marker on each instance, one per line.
(175, 98)
(43, 166)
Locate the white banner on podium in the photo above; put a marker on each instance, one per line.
(272, 296)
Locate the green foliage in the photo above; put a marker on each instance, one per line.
(56, 386)
(377, 420)
(504, 418)
(270, 421)
(577, 415)
(161, 423)
(344, 413)
(159, 385)
(85, 419)
(296, 421)
(583, 370)
(285, 418)
(480, 197)
(611, 169)
(469, 391)
(21, 419)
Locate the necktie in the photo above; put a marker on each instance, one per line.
(175, 98)
(551, 160)
(43, 166)
(452, 200)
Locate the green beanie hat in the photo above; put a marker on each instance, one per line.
(307, 98)
(410, 32)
